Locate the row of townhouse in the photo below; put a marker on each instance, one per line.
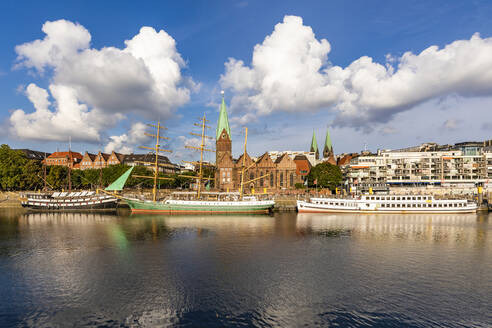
(78, 161)
(461, 164)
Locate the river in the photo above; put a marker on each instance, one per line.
(213, 271)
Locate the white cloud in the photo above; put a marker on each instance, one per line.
(70, 118)
(126, 142)
(290, 71)
(63, 40)
(144, 78)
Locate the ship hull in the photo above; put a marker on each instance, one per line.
(363, 207)
(81, 201)
(197, 207)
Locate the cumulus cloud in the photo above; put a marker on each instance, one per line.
(145, 77)
(126, 142)
(70, 117)
(290, 71)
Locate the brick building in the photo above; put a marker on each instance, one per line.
(65, 158)
(283, 172)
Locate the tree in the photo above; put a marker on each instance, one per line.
(31, 175)
(327, 176)
(57, 177)
(11, 164)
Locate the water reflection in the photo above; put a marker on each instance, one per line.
(287, 270)
(468, 229)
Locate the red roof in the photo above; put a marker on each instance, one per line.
(63, 154)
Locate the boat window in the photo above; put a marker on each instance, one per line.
(397, 198)
(413, 198)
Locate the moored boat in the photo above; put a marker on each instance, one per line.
(223, 203)
(199, 202)
(387, 204)
(68, 201)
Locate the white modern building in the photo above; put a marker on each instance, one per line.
(465, 164)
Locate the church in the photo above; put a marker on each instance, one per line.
(273, 172)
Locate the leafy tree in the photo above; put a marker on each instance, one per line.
(300, 185)
(327, 176)
(57, 177)
(11, 164)
(31, 175)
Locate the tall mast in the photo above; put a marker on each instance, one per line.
(156, 163)
(44, 172)
(241, 188)
(69, 164)
(202, 148)
(245, 169)
(100, 170)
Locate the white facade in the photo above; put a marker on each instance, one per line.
(421, 168)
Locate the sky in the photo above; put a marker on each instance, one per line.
(377, 74)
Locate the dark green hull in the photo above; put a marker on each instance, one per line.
(205, 207)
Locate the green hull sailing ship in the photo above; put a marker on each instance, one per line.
(198, 202)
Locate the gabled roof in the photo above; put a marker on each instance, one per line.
(248, 160)
(223, 122)
(91, 156)
(265, 158)
(280, 158)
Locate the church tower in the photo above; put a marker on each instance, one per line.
(314, 146)
(223, 134)
(328, 154)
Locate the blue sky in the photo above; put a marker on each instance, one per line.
(382, 109)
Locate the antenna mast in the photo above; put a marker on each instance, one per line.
(156, 163)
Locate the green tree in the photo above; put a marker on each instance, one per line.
(31, 175)
(11, 165)
(327, 176)
(57, 177)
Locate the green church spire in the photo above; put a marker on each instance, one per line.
(314, 144)
(328, 145)
(223, 122)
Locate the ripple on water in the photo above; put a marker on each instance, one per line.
(286, 270)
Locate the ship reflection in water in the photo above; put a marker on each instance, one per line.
(283, 270)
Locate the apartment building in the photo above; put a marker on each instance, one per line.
(462, 164)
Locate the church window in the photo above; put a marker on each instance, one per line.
(291, 179)
(281, 179)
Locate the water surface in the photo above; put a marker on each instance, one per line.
(283, 270)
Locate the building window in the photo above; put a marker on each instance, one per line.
(281, 179)
(291, 179)
(271, 179)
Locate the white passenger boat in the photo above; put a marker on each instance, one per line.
(387, 204)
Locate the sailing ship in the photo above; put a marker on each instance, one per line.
(198, 202)
(387, 204)
(75, 201)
